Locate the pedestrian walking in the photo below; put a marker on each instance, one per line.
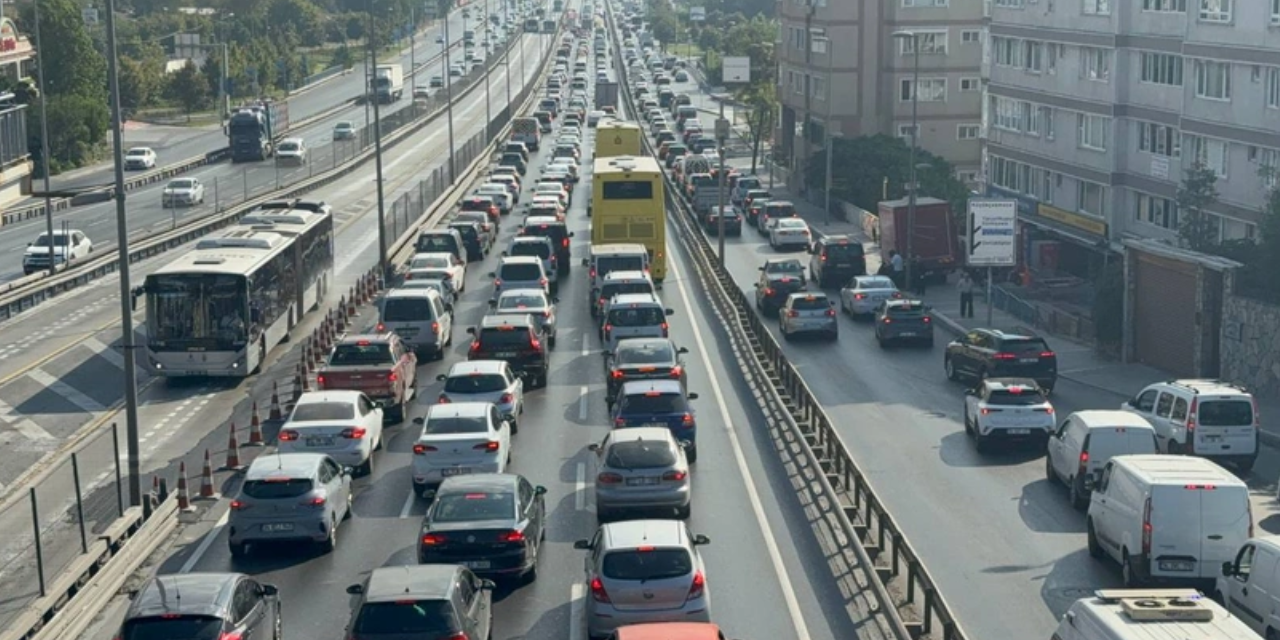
(896, 266)
(919, 276)
(965, 285)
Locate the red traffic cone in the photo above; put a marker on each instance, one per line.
(206, 479)
(233, 450)
(255, 428)
(155, 489)
(299, 382)
(351, 304)
(276, 413)
(340, 317)
(184, 497)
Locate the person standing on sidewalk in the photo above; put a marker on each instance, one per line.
(895, 265)
(920, 277)
(965, 285)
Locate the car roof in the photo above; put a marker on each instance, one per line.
(778, 203)
(816, 295)
(367, 337)
(506, 260)
(643, 386)
(636, 299)
(626, 275)
(903, 302)
(469, 367)
(1014, 385)
(1014, 334)
(542, 220)
(479, 482)
(409, 293)
(507, 320)
(646, 344)
(634, 434)
(531, 240)
(285, 465)
(185, 593)
(335, 395)
(637, 533)
(420, 581)
(459, 410)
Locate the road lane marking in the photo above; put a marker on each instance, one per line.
(582, 404)
(757, 508)
(71, 394)
(205, 543)
(23, 425)
(586, 343)
(408, 504)
(580, 487)
(107, 352)
(577, 611)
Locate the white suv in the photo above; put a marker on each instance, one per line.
(1207, 418)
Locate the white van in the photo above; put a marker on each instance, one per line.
(1208, 418)
(634, 315)
(520, 272)
(618, 283)
(420, 317)
(1086, 440)
(1168, 518)
(1249, 586)
(605, 258)
(1149, 614)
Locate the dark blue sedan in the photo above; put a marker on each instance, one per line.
(659, 403)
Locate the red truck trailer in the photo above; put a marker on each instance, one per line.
(934, 238)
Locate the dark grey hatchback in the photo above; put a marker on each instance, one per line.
(899, 320)
(421, 602)
(203, 606)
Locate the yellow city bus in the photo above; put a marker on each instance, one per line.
(628, 204)
(616, 138)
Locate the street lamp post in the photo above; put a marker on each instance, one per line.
(377, 146)
(448, 86)
(914, 39)
(488, 106)
(826, 129)
(44, 149)
(506, 52)
(413, 57)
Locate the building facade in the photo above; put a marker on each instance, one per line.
(841, 67)
(1095, 109)
(16, 60)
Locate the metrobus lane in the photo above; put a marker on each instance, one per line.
(760, 538)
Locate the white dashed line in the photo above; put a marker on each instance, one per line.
(582, 404)
(580, 487)
(577, 613)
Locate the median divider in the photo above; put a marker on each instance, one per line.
(889, 593)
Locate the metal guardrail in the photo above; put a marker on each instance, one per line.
(903, 588)
(33, 290)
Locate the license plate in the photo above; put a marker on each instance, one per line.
(319, 441)
(407, 332)
(1177, 565)
(641, 481)
(907, 334)
(505, 354)
(476, 564)
(457, 471)
(1212, 439)
(1028, 360)
(659, 425)
(277, 527)
(1019, 432)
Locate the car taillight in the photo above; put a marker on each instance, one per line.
(320, 381)
(230, 635)
(475, 346)
(602, 302)
(1084, 462)
(461, 635)
(420, 449)
(542, 281)
(608, 328)
(535, 344)
(888, 320)
(511, 536)
(488, 447)
(768, 291)
(435, 327)
(354, 433)
(288, 435)
(674, 476)
(1191, 415)
(793, 314)
(822, 258)
(665, 328)
(677, 371)
(597, 591)
(985, 411)
(687, 419)
(1146, 528)
(433, 539)
(831, 313)
(592, 273)
(1004, 356)
(698, 587)
(616, 374)
(237, 505)
(927, 319)
(859, 296)
(507, 398)
(565, 243)
(619, 422)
(609, 478)
(392, 377)
(408, 276)
(381, 327)
(314, 502)
(497, 282)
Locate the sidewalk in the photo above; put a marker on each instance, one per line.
(1077, 362)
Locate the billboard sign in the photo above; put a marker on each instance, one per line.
(735, 70)
(992, 238)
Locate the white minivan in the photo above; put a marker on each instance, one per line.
(1086, 440)
(1249, 586)
(1168, 518)
(634, 315)
(1208, 418)
(422, 319)
(1149, 614)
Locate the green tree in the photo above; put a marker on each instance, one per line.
(760, 102)
(72, 66)
(188, 88)
(304, 17)
(76, 125)
(343, 57)
(1198, 191)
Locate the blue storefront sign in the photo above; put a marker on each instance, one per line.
(1026, 206)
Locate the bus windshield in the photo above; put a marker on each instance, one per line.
(196, 311)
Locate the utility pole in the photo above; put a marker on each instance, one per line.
(488, 106)
(413, 59)
(722, 136)
(448, 88)
(126, 293)
(506, 54)
(377, 148)
(826, 129)
(44, 150)
(914, 38)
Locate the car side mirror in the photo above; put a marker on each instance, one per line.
(442, 377)
(493, 303)
(419, 421)
(509, 419)
(1228, 569)
(348, 471)
(682, 350)
(692, 396)
(471, 331)
(700, 540)
(607, 354)
(539, 490)
(1133, 402)
(270, 590)
(670, 312)
(355, 589)
(594, 447)
(1090, 482)
(971, 392)
(493, 274)
(584, 545)
(488, 585)
(686, 444)
(586, 262)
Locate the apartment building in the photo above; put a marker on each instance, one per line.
(1095, 109)
(840, 66)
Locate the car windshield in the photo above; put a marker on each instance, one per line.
(364, 353)
(647, 564)
(1225, 413)
(181, 184)
(784, 266)
(498, 338)
(344, 126)
(406, 309)
(277, 488)
(429, 274)
(521, 272)
(876, 283)
(810, 303)
(171, 627)
(404, 617)
(431, 262)
(59, 240)
(1025, 347)
(475, 383)
(139, 152)
(655, 402)
(636, 317)
(608, 264)
(288, 146)
(535, 249)
(477, 204)
(914, 310)
(308, 411)
(640, 454)
(472, 506)
(844, 250)
(792, 223)
(1015, 397)
(649, 353)
(619, 288)
(522, 301)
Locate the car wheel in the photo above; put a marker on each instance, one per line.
(603, 516)
(1049, 473)
(683, 513)
(330, 543)
(346, 515)
(515, 427)
(419, 489)
(1245, 465)
(238, 549)
(950, 368)
(551, 342)
(882, 342)
(1131, 578)
(366, 468)
(691, 454)
(1095, 549)
(1079, 499)
(980, 441)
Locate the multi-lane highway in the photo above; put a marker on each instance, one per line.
(227, 183)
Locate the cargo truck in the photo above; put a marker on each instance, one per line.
(254, 129)
(934, 238)
(527, 131)
(618, 139)
(388, 82)
(549, 26)
(606, 95)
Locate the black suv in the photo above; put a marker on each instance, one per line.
(421, 601)
(518, 340)
(991, 353)
(642, 359)
(470, 232)
(836, 260)
(772, 290)
(212, 606)
(548, 227)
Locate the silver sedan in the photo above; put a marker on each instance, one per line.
(863, 294)
(808, 313)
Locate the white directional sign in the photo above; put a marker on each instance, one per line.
(993, 233)
(697, 14)
(735, 70)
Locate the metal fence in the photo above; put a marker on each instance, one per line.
(412, 202)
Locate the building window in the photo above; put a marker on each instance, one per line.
(1268, 164)
(970, 84)
(1091, 197)
(932, 43)
(1047, 127)
(1052, 51)
(1031, 116)
(1273, 86)
(1162, 68)
(1012, 4)
(1092, 131)
(1008, 51)
(1210, 152)
(1215, 10)
(1095, 64)
(1097, 7)
(931, 90)
(1213, 80)
(797, 83)
(819, 86)
(1161, 212)
(1275, 12)
(1008, 113)
(967, 177)
(1159, 140)
(1165, 6)
(1032, 54)
(904, 131)
(911, 4)
(973, 36)
(968, 131)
